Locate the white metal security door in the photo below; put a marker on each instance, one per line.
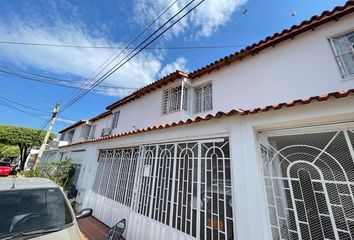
(309, 183)
(187, 186)
(115, 174)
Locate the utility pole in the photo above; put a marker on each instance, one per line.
(44, 144)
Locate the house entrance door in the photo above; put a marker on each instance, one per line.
(309, 182)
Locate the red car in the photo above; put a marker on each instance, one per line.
(5, 168)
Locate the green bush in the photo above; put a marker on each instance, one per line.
(60, 172)
(32, 173)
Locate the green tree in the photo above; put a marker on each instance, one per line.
(24, 137)
(9, 151)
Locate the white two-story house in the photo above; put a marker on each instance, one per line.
(256, 145)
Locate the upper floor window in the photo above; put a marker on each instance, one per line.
(115, 119)
(193, 99)
(69, 136)
(93, 131)
(85, 131)
(343, 47)
(62, 137)
(203, 98)
(171, 100)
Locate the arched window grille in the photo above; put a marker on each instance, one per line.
(309, 183)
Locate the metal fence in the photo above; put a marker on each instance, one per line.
(184, 185)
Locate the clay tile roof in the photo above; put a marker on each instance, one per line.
(148, 88)
(78, 123)
(251, 50)
(276, 38)
(240, 112)
(102, 115)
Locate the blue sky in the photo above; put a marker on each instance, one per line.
(115, 23)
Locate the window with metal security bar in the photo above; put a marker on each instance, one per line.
(187, 186)
(115, 120)
(343, 47)
(171, 100)
(194, 99)
(92, 132)
(85, 131)
(203, 98)
(309, 184)
(115, 174)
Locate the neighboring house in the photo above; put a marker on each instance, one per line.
(51, 152)
(31, 158)
(257, 145)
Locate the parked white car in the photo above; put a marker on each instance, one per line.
(36, 208)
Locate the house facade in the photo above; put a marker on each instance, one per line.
(257, 145)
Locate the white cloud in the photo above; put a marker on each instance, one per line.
(204, 21)
(179, 64)
(64, 120)
(80, 63)
(74, 62)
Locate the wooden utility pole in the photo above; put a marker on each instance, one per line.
(44, 144)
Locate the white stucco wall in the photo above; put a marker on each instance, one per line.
(293, 69)
(248, 191)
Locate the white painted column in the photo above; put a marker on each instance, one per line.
(249, 198)
(257, 201)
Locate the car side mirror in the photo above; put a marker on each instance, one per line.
(84, 213)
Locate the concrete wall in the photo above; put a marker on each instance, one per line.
(295, 69)
(249, 198)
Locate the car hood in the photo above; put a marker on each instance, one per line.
(70, 233)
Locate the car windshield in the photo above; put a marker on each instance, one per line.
(4, 164)
(32, 209)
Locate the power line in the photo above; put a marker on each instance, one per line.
(38, 100)
(9, 104)
(22, 105)
(18, 109)
(121, 47)
(44, 125)
(114, 57)
(60, 82)
(116, 67)
(9, 101)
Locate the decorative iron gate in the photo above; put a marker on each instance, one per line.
(187, 185)
(184, 185)
(309, 183)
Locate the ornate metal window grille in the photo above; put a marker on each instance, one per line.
(115, 174)
(115, 120)
(187, 186)
(343, 47)
(171, 100)
(203, 98)
(309, 183)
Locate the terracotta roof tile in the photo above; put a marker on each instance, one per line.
(240, 112)
(148, 88)
(269, 41)
(251, 50)
(276, 38)
(78, 123)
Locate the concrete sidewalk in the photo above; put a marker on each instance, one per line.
(93, 229)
